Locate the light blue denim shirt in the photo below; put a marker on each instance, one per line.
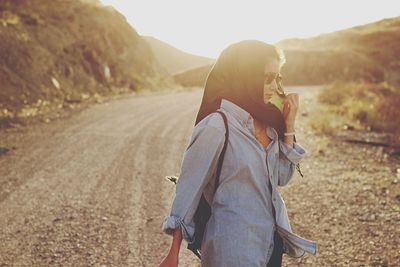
(240, 231)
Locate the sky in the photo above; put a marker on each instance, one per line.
(206, 27)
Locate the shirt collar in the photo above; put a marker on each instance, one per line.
(239, 113)
(245, 117)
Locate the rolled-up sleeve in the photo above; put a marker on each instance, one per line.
(197, 168)
(291, 155)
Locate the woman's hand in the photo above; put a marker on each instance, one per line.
(171, 260)
(290, 107)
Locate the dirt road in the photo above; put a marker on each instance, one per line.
(90, 190)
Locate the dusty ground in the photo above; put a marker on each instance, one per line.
(89, 190)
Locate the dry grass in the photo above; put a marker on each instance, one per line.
(370, 106)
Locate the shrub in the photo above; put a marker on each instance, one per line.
(374, 106)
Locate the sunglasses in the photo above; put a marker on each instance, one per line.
(270, 77)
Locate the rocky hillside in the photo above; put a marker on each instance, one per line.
(369, 52)
(173, 59)
(56, 52)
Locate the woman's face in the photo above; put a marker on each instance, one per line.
(271, 71)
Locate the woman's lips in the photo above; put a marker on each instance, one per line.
(267, 98)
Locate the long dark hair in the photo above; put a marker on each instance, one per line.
(238, 76)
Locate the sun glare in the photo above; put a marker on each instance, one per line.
(206, 27)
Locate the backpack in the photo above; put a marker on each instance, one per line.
(203, 211)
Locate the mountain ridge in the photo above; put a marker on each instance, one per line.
(175, 60)
(369, 52)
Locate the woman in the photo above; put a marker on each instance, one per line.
(249, 225)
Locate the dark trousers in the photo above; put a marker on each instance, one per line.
(276, 257)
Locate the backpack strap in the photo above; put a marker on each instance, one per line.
(203, 210)
(222, 155)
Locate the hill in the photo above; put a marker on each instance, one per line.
(173, 59)
(193, 77)
(368, 53)
(57, 52)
